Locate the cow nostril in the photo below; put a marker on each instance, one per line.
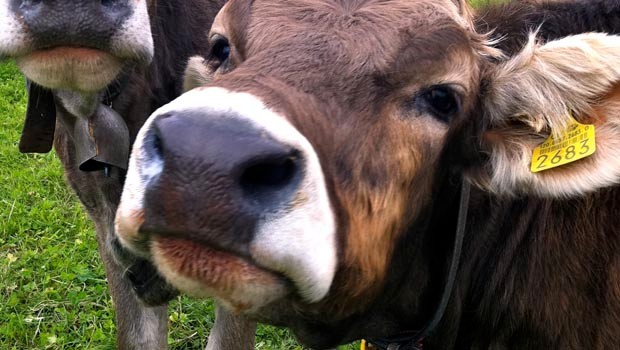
(271, 175)
(26, 4)
(154, 155)
(158, 149)
(153, 146)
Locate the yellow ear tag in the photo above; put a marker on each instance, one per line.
(577, 142)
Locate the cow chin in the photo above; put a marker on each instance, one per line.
(68, 68)
(201, 271)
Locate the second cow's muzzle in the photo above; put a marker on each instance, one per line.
(89, 23)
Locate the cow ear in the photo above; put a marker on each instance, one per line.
(465, 11)
(462, 5)
(196, 74)
(540, 93)
(39, 127)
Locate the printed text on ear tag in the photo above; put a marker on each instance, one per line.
(577, 142)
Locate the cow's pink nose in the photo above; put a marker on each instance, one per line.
(88, 23)
(215, 177)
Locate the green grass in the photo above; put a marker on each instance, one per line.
(478, 3)
(53, 292)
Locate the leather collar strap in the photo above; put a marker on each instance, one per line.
(412, 340)
(114, 89)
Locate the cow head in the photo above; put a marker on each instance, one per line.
(77, 45)
(286, 185)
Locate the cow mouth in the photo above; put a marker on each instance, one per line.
(203, 271)
(81, 52)
(71, 68)
(149, 286)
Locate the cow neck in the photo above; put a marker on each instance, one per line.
(413, 340)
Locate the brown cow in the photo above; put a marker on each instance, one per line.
(108, 65)
(313, 183)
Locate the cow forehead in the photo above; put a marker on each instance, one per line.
(330, 12)
(368, 29)
(319, 43)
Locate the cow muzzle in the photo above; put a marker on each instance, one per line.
(74, 45)
(229, 200)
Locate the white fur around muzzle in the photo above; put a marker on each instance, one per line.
(13, 36)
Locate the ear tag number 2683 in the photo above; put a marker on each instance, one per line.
(577, 142)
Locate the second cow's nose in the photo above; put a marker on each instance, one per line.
(73, 23)
(215, 173)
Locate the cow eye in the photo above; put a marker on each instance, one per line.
(220, 50)
(442, 101)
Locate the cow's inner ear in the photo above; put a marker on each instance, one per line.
(536, 94)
